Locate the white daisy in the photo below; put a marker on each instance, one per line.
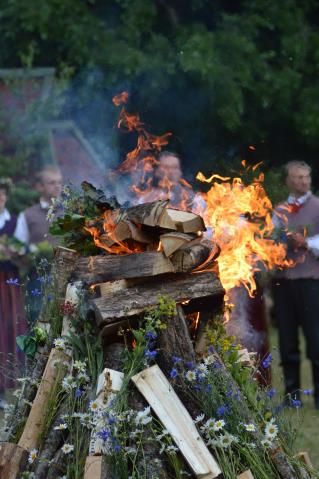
(32, 456)
(250, 427)
(59, 343)
(67, 448)
(61, 427)
(266, 443)
(68, 383)
(80, 366)
(271, 430)
(218, 425)
(199, 418)
(95, 405)
(226, 440)
(143, 417)
(202, 368)
(191, 375)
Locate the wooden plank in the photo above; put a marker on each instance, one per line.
(35, 421)
(246, 475)
(133, 301)
(13, 460)
(99, 269)
(162, 398)
(71, 296)
(109, 381)
(93, 467)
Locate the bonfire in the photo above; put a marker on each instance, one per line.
(122, 385)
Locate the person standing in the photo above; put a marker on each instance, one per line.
(12, 315)
(296, 288)
(32, 224)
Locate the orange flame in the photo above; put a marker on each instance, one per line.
(121, 98)
(241, 223)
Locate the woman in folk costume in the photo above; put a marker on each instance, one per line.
(12, 316)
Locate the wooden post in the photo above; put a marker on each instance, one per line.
(12, 460)
(162, 398)
(246, 475)
(109, 381)
(35, 421)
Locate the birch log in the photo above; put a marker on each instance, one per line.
(246, 475)
(162, 398)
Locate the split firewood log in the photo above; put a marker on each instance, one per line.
(172, 241)
(246, 475)
(194, 254)
(160, 395)
(135, 300)
(148, 214)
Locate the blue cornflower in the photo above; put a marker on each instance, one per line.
(150, 354)
(117, 448)
(176, 359)
(174, 373)
(13, 281)
(229, 393)
(237, 395)
(217, 365)
(208, 388)
(197, 387)
(211, 349)
(150, 335)
(267, 361)
(50, 297)
(221, 410)
(271, 393)
(112, 420)
(307, 392)
(190, 364)
(296, 403)
(78, 392)
(35, 292)
(41, 279)
(104, 434)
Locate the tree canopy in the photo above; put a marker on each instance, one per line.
(220, 75)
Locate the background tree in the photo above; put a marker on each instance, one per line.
(221, 75)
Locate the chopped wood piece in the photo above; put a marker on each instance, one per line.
(246, 475)
(194, 254)
(125, 230)
(162, 398)
(134, 300)
(13, 459)
(171, 242)
(93, 467)
(183, 221)
(36, 418)
(98, 269)
(148, 214)
(109, 381)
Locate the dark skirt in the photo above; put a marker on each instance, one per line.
(12, 324)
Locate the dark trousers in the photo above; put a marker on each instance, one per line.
(296, 304)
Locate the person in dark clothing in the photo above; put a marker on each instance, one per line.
(296, 288)
(12, 315)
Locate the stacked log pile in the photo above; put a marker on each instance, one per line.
(171, 251)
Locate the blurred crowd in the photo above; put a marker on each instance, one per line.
(295, 290)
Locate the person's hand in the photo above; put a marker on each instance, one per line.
(299, 241)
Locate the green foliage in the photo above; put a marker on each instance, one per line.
(235, 73)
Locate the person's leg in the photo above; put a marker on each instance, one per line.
(286, 315)
(309, 311)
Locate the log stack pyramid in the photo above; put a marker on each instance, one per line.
(171, 251)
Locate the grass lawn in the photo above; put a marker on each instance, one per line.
(308, 439)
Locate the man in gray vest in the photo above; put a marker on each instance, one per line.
(296, 289)
(32, 224)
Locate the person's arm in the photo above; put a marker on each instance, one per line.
(22, 230)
